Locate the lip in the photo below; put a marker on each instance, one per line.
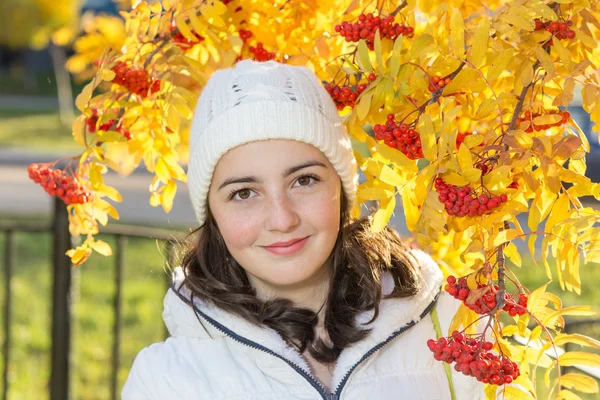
(286, 248)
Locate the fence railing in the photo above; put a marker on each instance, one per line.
(61, 294)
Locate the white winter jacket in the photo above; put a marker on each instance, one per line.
(219, 356)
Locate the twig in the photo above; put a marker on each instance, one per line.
(400, 7)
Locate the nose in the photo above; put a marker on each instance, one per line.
(282, 214)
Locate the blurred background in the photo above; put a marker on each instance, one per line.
(85, 343)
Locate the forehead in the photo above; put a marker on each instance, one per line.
(266, 155)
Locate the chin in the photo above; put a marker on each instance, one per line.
(287, 274)
(294, 274)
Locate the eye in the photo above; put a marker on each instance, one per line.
(307, 180)
(244, 194)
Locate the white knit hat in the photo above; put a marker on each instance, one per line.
(259, 101)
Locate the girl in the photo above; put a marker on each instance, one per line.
(284, 295)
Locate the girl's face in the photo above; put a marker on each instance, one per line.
(277, 191)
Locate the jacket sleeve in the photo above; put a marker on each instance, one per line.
(140, 382)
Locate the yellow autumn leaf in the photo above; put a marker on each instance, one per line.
(499, 64)
(79, 255)
(395, 57)
(560, 212)
(472, 175)
(564, 54)
(545, 59)
(373, 193)
(378, 53)
(584, 38)
(518, 21)
(168, 195)
(457, 34)
(480, 43)
(391, 177)
(514, 393)
(101, 247)
(464, 317)
(364, 104)
(575, 310)
(109, 192)
(364, 62)
(162, 170)
(567, 395)
(77, 130)
(427, 134)
(579, 358)
(397, 157)
(83, 97)
(486, 107)
(382, 216)
(547, 119)
(455, 179)
(576, 338)
(504, 236)
(465, 161)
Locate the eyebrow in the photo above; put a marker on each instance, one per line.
(286, 173)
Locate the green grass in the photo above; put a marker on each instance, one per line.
(143, 291)
(36, 131)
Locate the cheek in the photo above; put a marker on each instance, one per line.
(237, 230)
(324, 212)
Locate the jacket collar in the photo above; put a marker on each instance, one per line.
(394, 314)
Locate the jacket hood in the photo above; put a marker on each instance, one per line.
(210, 322)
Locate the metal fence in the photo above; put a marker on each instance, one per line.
(61, 293)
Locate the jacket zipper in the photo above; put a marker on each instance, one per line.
(316, 384)
(338, 390)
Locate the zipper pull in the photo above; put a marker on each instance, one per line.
(335, 396)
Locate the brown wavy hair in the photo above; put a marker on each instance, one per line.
(357, 261)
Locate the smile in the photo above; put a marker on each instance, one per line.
(287, 250)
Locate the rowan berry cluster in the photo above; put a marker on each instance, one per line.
(485, 303)
(559, 30)
(245, 35)
(368, 25)
(137, 81)
(473, 357)
(529, 116)
(345, 95)
(92, 125)
(437, 83)
(56, 183)
(400, 136)
(461, 201)
(182, 41)
(260, 53)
